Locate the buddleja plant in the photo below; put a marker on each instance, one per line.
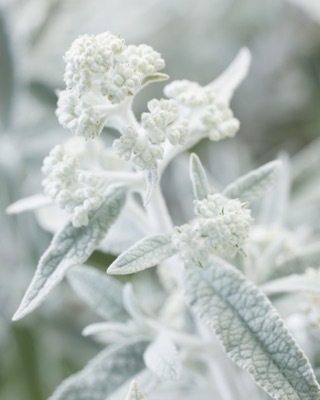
(162, 329)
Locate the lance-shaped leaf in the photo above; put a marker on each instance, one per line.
(28, 203)
(162, 358)
(254, 184)
(104, 374)
(298, 263)
(69, 247)
(232, 77)
(198, 178)
(102, 293)
(293, 284)
(135, 392)
(250, 330)
(146, 253)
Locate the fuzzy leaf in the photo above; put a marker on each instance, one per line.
(199, 178)
(146, 253)
(157, 77)
(250, 330)
(101, 292)
(28, 203)
(69, 247)
(298, 263)
(135, 392)
(231, 78)
(254, 184)
(104, 374)
(162, 358)
(293, 283)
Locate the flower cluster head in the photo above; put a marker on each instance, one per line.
(143, 145)
(102, 73)
(68, 182)
(206, 112)
(221, 228)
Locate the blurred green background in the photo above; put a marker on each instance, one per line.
(278, 106)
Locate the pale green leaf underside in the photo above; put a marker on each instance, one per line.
(250, 330)
(69, 247)
(198, 178)
(104, 374)
(292, 284)
(135, 392)
(253, 185)
(157, 77)
(163, 359)
(101, 292)
(298, 263)
(146, 253)
(28, 203)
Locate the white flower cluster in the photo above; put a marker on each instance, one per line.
(202, 107)
(221, 228)
(101, 73)
(144, 145)
(71, 187)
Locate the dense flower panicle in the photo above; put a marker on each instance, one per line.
(75, 190)
(204, 109)
(162, 122)
(72, 176)
(101, 73)
(84, 116)
(221, 228)
(89, 57)
(138, 148)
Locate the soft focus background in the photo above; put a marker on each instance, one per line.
(278, 106)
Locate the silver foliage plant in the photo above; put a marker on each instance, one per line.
(216, 281)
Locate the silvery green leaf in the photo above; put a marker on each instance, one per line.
(135, 392)
(298, 263)
(250, 330)
(69, 247)
(146, 253)
(112, 332)
(152, 178)
(199, 178)
(254, 184)
(157, 77)
(231, 78)
(276, 203)
(104, 374)
(293, 283)
(28, 203)
(163, 359)
(101, 292)
(132, 305)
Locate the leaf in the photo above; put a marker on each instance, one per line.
(113, 332)
(28, 203)
(101, 292)
(157, 77)
(250, 330)
(69, 247)
(146, 253)
(151, 178)
(199, 178)
(293, 283)
(162, 358)
(104, 374)
(298, 263)
(135, 392)
(232, 77)
(254, 184)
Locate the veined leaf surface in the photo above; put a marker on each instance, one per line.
(250, 330)
(69, 247)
